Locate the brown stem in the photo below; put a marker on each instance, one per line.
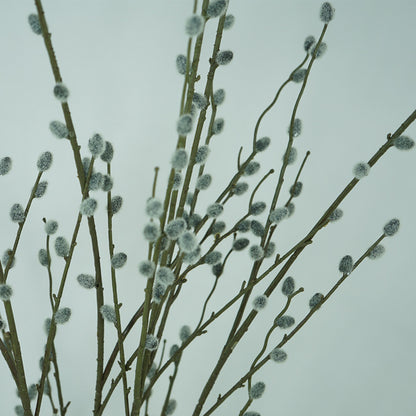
(244, 327)
(286, 338)
(91, 224)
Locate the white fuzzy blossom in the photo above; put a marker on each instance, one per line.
(151, 342)
(403, 143)
(278, 214)
(252, 168)
(58, 129)
(203, 182)
(181, 64)
(108, 313)
(154, 208)
(184, 124)
(270, 249)
(202, 154)
(6, 292)
(118, 260)
(296, 128)
(193, 256)
(308, 43)
(256, 252)
(293, 153)
(165, 275)
(216, 8)
(219, 96)
(61, 247)
(51, 227)
(224, 57)
(218, 126)
(175, 228)
(96, 181)
(336, 214)
(326, 13)
(179, 159)
(96, 145)
(257, 390)
(43, 257)
(116, 203)
(158, 291)
(285, 321)
(215, 209)
(361, 169)
(199, 100)
(185, 333)
(391, 227)
(62, 315)
(299, 75)
(229, 21)
(6, 257)
(259, 302)
(346, 265)
(320, 50)
(376, 252)
(240, 188)
(41, 189)
(240, 244)
(194, 25)
(5, 165)
(288, 286)
(107, 183)
(213, 258)
(151, 231)
(316, 300)
(177, 180)
(86, 281)
(170, 408)
(262, 144)
(88, 207)
(147, 268)
(34, 24)
(61, 92)
(188, 242)
(107, 155)
(17, 213)
(278, 355)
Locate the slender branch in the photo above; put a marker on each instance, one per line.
(54, 360)
(18, 360)
(20, 229)
(91, 224)
(10, 361)
(207, 300)
(270, 106)
(202, 116)
(290, 141)
(52, 330)
(172, 379)
(49, 394)
(155, 181)
(124, 334)
(48, 253)
(244, 327)
(298, 175)
(138, 383)
(286, 338)
(126, 389)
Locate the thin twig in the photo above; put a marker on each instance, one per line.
(286, 338)
(122, 362)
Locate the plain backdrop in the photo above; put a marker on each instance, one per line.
(356, 354)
